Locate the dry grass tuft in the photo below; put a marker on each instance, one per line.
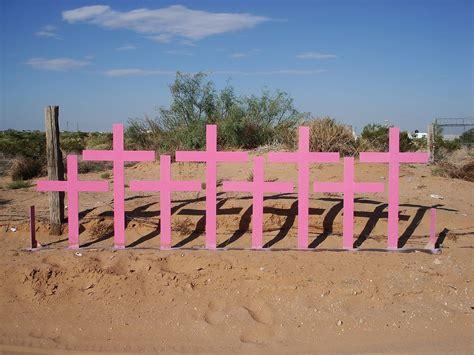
(326, 135)
(25, 169)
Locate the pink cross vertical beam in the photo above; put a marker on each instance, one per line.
(211, 156)
(165, 186)
(393, 157)
(257, 187)
(303, 158)
(118, 156)
(73, 186)
(349, 187)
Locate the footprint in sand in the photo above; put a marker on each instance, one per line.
(260, 312)
(215, 314)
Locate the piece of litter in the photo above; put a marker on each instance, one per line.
(13, 229)
(438, 197)
(77, 253)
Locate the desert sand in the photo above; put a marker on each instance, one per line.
(239, 301)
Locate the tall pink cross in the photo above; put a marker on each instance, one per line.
(257, 187)
(165, 186)
(303, 157)
(118, 156)
(393, 157)
(348, 187)
(211, 156)
(73, 186)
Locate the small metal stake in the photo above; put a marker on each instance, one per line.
(34, 243)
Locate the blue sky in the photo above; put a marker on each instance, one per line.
(359, 61)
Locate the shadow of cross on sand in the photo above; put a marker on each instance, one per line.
(379, 212)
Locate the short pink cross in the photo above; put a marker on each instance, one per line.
(257, 187)
(165, 186)
(73, 186)
(394, 157)
(118, 156)
(303, 157)
(348, 187)
(211, 156)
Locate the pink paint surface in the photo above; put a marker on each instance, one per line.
(394, 157)
(349, 187)
(303, 158)
(257, 187)
(165, 186)
(211, 156)
(118, 156)
(72, 187)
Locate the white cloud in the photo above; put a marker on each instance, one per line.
(316, 55)
(163, 24)
(179, 52)
(57, 64)
(136, 72)
(238, 55)
(127, 47)
(146, 72)
(48, 31)
(271, 72)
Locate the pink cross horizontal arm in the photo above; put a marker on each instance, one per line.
(348, 187)
(257, 187)
(165, 186)
(211, 156)
(118, 156)
(303, 158)
(393, 157)
(72, 187)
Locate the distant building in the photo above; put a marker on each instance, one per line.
(418, 135)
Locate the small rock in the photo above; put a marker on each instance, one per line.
(437, 262)
(339, 322)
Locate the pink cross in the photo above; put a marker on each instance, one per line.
(348, 187)
(211, 156)
(394, 157)
(73, 186)
(303, 157)
(165, 186)
(118, 156)
(257, 187)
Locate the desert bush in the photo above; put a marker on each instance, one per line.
(448, 169)
(28, 144)
(105, 175)
(244, 121)
(18, 184)
(375, 137)
(467, 137)
(326, 135)
(86, 166)
(25, 168)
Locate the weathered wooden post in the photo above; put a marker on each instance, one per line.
(55, 168)
(430, 142)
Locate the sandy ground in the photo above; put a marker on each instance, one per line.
(274, 301)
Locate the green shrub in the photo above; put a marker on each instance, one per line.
(374, 137)
(18, 184)
(105, 175)
(244, 121)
